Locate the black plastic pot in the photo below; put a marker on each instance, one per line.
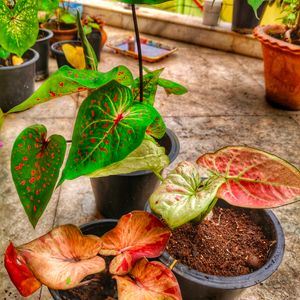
(94, 39)
(17, 82)
(244, 19)
(42, 46)
(119, 194)
(195, 285)
(97, 228)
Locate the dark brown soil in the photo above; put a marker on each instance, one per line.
(231, 243)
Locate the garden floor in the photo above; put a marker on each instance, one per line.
(225, 106)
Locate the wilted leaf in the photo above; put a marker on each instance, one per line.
(108, 127)
(19, 273)
(63, 257)
(74, 56)
(136, 235)
(35, 165)
(184, 196)
(253, 178)
(172, 87)
(148, 156)
(148, 281)
(16, 60)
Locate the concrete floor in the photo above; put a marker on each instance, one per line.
(225, 106)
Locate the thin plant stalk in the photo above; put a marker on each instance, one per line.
(138, 43)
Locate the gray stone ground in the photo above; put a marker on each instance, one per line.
(225, 106)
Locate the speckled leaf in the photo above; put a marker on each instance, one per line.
(67, 81)
(18, 26)
(253, 178)
(184, 196)
(35, 165)
(136, 235)
(172, 87)
(61, 258)
(148, 156)
(148, 281)
(19, 273)
(108, 127)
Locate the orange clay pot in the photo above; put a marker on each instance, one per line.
(282, 68)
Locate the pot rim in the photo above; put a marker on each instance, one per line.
(48, 37)
(27, 63)
(235, 282)
(261, 33)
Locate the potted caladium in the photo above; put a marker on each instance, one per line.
(281, 43)
(219, 250)
(63, 258)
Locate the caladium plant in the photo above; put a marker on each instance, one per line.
(62, 258)
(242, 176)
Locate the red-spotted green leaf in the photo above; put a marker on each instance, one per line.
(253, 178)
(136, 235)
(148, 281)
(63, 257)
(157, 128)
(67, 81)
(148, 156)
(35, 165)
(19, 273)
(108, 127)
(183, 196)
(172, 87)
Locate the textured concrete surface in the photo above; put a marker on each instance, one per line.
(225, 106)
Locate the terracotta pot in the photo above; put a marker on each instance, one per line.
(69, 33)
(282, 68)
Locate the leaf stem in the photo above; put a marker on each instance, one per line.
(138, 43)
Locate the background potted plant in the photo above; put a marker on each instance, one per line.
(18, 32)
(62, 258)
(281, 53)
(211, 12)
(243, 177)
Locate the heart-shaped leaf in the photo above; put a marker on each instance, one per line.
(253, 178)
(35, 165)
(19, 273)
(63, 257)
(18, 25)
(67, 81)
(108, 127)
(148, 156)
(172, 87)
(136, 235)
(184, 196)
(157, 128)
(255, 4)
(148, 281)
(74, 56)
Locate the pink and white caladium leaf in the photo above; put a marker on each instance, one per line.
(108, 127)
(19, 273)
(136, 235)
(184, 196)
(35, 165)
(253, 178)
(148, 281)
(61, 258)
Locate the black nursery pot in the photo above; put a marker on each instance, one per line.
(94, 39)
(42, 46)
(17, 82)
(117, 195)
(97, 228)
(195, 285)
(244, 19)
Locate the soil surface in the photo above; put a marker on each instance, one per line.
(231, 243)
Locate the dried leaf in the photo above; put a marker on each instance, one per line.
(74, 56)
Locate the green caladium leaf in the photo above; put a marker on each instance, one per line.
(108, 127)
(148, 156)
(255, 4)
(172, 87)
(18, 25)
(157, 128)
(35, 165)
(67, 81)
(67, 18)
(184, 196)
(3, 53)
(144, 1)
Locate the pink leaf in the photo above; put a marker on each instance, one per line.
(148, 281)
(254, 178)
(136, 235)
(63, 257)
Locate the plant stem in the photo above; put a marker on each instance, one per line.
(138, 43)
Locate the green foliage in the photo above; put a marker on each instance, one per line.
(255, 4)
(66, 17)
(48, 6)
(3, 53)
(18, 25)
(291, 8)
